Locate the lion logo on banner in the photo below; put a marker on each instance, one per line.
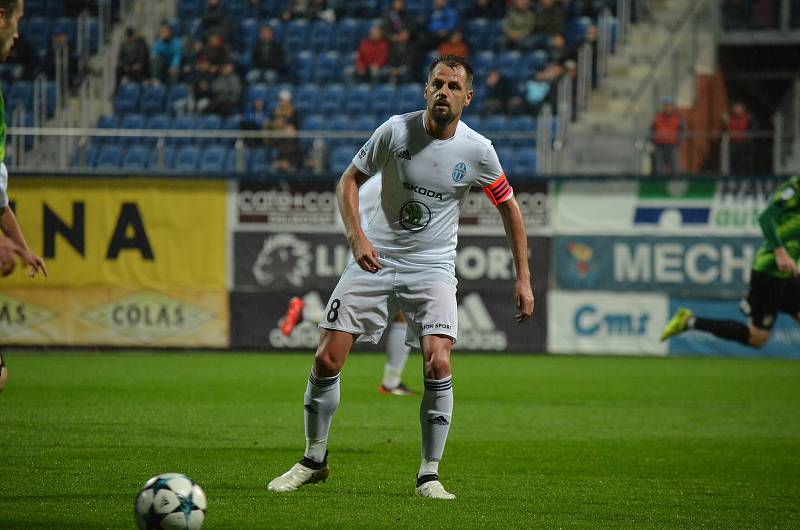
(283, 258)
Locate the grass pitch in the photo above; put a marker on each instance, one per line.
(545, 442)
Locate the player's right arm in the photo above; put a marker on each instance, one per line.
(347, 195)
(369, 160)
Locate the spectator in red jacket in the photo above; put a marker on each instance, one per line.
(372, 56)
(667, 134)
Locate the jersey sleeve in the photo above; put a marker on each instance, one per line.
(3, 187)
(492, 178)
(786, 198)
(371, 158)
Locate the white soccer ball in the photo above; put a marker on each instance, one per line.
(170, 502)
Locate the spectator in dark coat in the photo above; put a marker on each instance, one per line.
(498, 94)
(133, 60)
(215, 19)
(549, 19)
(217, 52)
(226, 92)
(267, 59)
(486, 9)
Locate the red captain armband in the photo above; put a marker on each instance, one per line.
(499, 190)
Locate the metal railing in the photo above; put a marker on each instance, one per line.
(786, 121)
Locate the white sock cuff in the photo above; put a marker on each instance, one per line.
(439, 385)
(322, 382)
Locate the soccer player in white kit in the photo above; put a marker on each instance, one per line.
(405, 258)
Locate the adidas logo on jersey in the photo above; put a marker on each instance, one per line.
(478, 330)
(404, 154)
(439, 420)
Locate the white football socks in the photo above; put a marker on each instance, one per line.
(319, 403)
(396, 354)
(435, 414)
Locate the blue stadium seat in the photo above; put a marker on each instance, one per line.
(272, 8)
(156, 122)
(248, 34)
(321, 36)
(182, 123)
(213, 159)
(482, 63)
(259, 161)
(169, 159)
(506, 156)
(209, 122)
(575, 30)
(340, 122)
(329, 68)
(176, 93)
(107, 122)
(231, 123)
(382, 101)
(476, 33)
(418, 7)
(230, 161)
(342, 156)
(187, 158)
(131, 122)
(365, 122)
(303, 67)
(357, 99)
(508, 64)
(109, 157)
(475, 122)
(409, 98)
(331, 100)
(127, 98)
(496, 37)
(136, 158)
(295, 36)
(525, 163)
(345, 37)
(305, 99)
(277, 28)
(531, 63)
(90, 157)
(21, 94)
(254, 92)
(152, 99)
(36, 31)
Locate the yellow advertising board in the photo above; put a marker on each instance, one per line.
(134, 232)
(114, 316)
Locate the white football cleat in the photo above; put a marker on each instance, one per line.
(432, 489)
(304, 472)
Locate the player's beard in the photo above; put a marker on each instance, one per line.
(441, 115)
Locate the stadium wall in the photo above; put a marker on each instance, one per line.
(191, 263)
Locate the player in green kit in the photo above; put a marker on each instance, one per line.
(12, 243)
(774, 281)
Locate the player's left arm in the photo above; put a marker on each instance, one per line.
(518, 242)
(10, 227)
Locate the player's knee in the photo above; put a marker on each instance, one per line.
(326, 365)
(438, 365)
(758, 337)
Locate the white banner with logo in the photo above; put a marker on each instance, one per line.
(603, 322)
(675, 207)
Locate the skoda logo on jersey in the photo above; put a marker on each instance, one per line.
(459, 172)
(415, 216)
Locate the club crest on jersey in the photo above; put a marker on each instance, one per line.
(415, 216)
(459, 172)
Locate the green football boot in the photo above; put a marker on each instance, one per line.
(677, 323)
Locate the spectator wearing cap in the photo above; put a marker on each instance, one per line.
(666, 134)
(165, 57)
(372, 56)
(132, 62)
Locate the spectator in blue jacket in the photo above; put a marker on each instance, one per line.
(165, 60)
(442, 22)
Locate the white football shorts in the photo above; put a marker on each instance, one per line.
(363, 303)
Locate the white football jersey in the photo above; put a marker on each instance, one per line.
(3, 185)
(424, 182)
